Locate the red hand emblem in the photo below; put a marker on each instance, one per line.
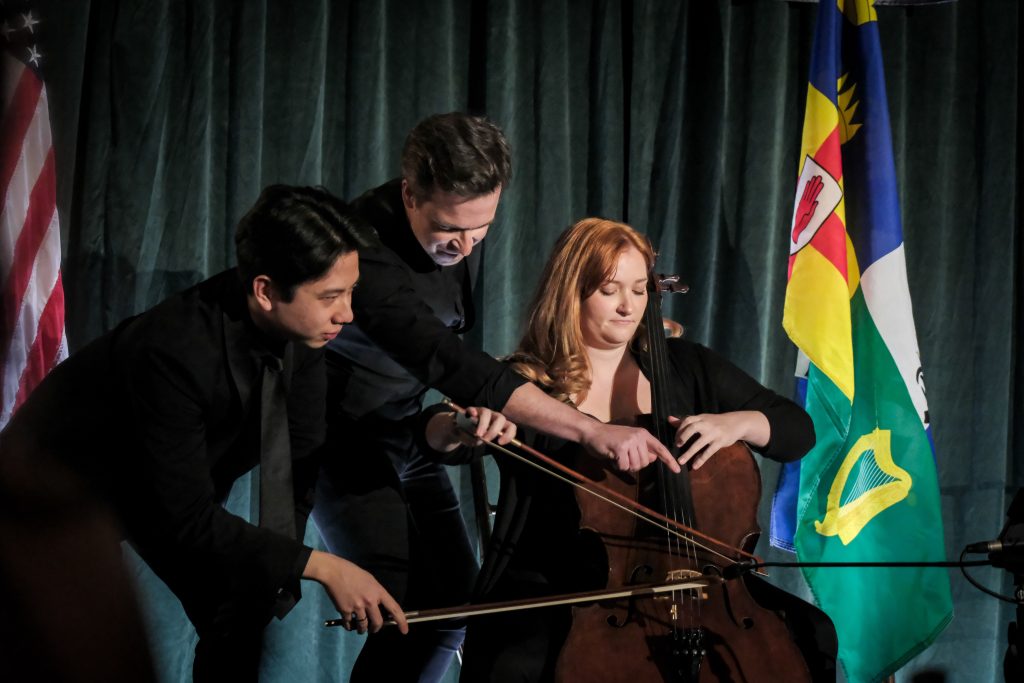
(808, 203)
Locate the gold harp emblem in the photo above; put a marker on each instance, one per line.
(879, 483)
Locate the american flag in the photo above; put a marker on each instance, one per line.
(32, 339)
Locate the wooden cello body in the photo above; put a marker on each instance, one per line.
(718, 633)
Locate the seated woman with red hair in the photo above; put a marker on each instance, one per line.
(585, 344)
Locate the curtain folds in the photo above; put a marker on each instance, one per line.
(682, 118)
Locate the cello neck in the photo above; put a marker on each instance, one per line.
(674, 488)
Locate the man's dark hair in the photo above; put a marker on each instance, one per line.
(295, 234)
(457, 153)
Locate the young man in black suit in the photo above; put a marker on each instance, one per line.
(164, 413)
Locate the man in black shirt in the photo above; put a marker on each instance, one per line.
(382, 500)
(162, 415)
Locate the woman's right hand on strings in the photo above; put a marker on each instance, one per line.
(707, 433)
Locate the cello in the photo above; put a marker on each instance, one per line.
(717, 632)
(707, 629)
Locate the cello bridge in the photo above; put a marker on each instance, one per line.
(676, 575)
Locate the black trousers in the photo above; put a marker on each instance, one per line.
(515, 647)
(228, 614)
(381, 504)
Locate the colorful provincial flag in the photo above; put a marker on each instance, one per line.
(868, 490)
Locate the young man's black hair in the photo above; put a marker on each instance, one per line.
(294, 235)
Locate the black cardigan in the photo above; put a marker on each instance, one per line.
(535, 530)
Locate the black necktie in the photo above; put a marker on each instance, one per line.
(277, 504)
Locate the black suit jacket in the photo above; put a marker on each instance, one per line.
(163, 414)
(409, 315)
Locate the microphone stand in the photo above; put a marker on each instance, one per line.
(1010, 556)
(1013, 667)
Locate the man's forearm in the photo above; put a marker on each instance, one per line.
(631, 448)
(531, 407)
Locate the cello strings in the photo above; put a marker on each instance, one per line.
(658, 350)
(632, 507)
(635, 513)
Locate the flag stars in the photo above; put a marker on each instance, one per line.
(28, 21)
(33, 56)
(7, 30)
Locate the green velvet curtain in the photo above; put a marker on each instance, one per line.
(682, 117)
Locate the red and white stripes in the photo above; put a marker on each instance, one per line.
(32, 339)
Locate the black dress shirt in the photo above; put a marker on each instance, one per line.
(162, 415)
